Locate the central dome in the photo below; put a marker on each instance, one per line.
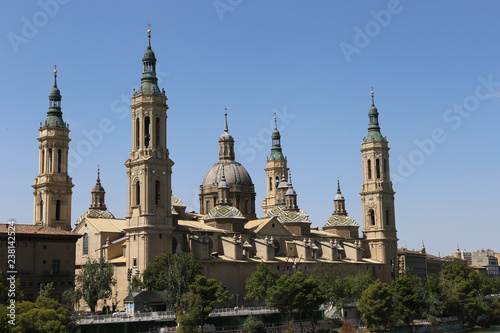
(234, 172)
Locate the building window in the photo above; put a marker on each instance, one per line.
(43, 161)
(134, 262)
(58, 210)
(377, 167)
(387, 217)
(207, 206)
(369, 167)
(85, 241)
(137, 193)
(59, 154)
(157, 192)
(270, 183)
(137, 130)
(157, 132)
(147, 132)
(56, 266)
(371, 214)
(50, 161)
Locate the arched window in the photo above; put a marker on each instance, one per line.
(270, 183)
(59, 156)
(157, 132)
(277, 182)
(377, 167)
(50, 161)
(137, 193)
(85, 246)
(137, 130)
(369, 167)
(371, 214)
(147, 131)
(58, 210)
(157, 192)
(387, 217)
(43, 161)
(40, 218)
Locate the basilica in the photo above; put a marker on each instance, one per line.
(226, 233)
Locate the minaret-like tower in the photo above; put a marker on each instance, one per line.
(291, 197)
(276, 171)
(53, 187)
(149, 169)
(339, 202)
(98, 194)
(377, 196)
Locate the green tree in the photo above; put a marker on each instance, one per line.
(45, 315)
(409, 296)
(172, 273)
(260, 281)
(203, 294)
(375, 305)
(466, 290)
(189, 313)
(47, 290)
(70, 298)
(295, 292)
(94, 281)
(340, 287)
(253, 324)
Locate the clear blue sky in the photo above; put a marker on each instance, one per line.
(434, 66)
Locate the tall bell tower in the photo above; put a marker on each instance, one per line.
(149, 169)
(53, 187)
(276, 171)
(377, 196)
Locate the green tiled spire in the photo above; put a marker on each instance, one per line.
(54, 115)
(373, 128)
(149, 81)
(276, 152)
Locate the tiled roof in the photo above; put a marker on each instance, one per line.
(36, 230)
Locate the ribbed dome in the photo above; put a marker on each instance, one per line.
(234, 172)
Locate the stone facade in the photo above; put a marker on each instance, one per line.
(226, 234)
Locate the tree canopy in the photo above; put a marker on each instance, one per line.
(172, 273)
(260, 281)
(295, 292)
(45, 315)
(199, 301)
(375, 305)
(94, 281)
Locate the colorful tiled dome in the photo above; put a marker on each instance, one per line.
(289, 216)
(224, 212)
(340, 220)
(96, 214)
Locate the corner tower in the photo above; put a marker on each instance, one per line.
(149, 169)
(377, 195)
(276, 172)
(53, 187)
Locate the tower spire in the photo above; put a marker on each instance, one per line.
(226, 142)
(339, 202)
(226, 128)
(54, 114)
(98, 194)
(276, 151)
(373, 126)
(149, 81)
